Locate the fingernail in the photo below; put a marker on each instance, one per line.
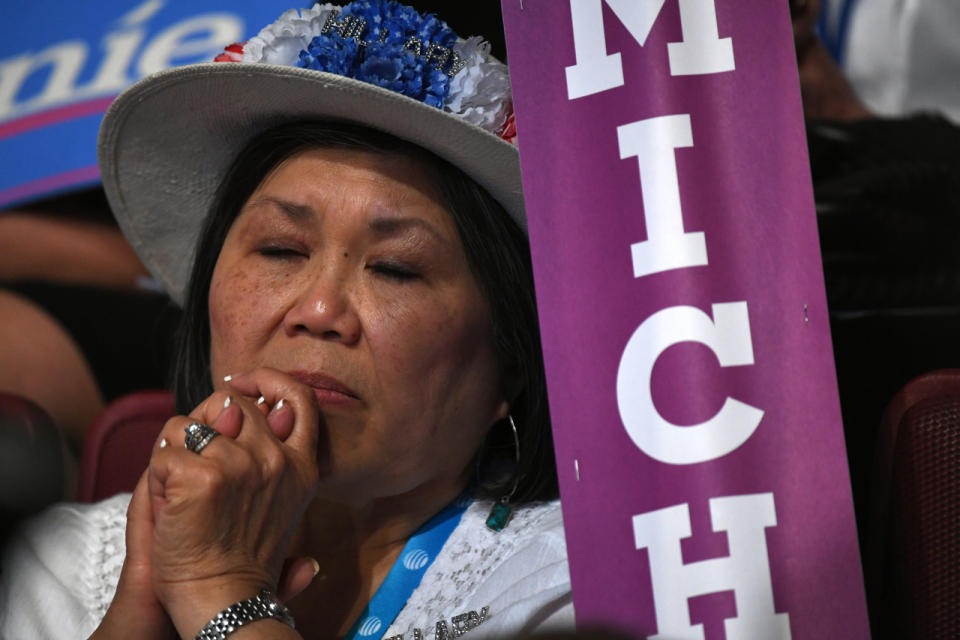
(226, 403)
(316, 567)
(227, 378)
(261, 400)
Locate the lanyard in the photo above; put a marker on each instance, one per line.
(407, 572)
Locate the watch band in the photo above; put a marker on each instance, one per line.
(259, 607)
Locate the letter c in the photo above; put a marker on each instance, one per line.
(728, 336)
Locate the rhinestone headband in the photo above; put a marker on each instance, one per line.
(392, 46)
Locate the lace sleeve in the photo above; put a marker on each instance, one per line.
(60, 570)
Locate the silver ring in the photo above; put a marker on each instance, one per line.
(199, 436)
(163, 443)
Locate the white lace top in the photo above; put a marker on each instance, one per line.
(60, 570)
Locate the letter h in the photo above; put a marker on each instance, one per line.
(746, 571)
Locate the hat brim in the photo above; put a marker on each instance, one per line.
(167, 141)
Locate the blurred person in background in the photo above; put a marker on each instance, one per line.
(901, 57)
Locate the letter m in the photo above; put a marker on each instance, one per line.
(701, 51)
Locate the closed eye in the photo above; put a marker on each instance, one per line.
(279, 253)
(394, 271)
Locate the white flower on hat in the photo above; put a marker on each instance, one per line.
(480, 93)
(282, 41)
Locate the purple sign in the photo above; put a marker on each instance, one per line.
(697, 425)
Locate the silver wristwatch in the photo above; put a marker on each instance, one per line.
(261, 606)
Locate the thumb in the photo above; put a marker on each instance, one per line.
(296, 576)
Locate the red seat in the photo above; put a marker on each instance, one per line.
(913, 552)
(117, 447)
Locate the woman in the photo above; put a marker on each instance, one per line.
(359, 355)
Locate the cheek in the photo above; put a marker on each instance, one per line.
(439, 357)
(241, 305)
(416, 340)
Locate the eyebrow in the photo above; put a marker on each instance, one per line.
(296, 212)
(384, 227)
(381, 227)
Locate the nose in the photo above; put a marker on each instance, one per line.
(324, 309)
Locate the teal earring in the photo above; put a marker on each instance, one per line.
(502, 510)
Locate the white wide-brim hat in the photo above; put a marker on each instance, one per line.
(167, 142)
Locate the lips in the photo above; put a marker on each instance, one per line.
(327, 389)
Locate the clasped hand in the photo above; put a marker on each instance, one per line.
(210, 529)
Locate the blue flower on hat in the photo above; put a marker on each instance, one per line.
(397, 69)
(400, 22)
(332, 54)
(383, 60)
(433, 29)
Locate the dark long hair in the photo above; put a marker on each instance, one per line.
(498, 255)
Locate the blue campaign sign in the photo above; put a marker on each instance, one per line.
(61, 64)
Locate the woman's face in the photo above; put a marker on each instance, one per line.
(344, 270)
